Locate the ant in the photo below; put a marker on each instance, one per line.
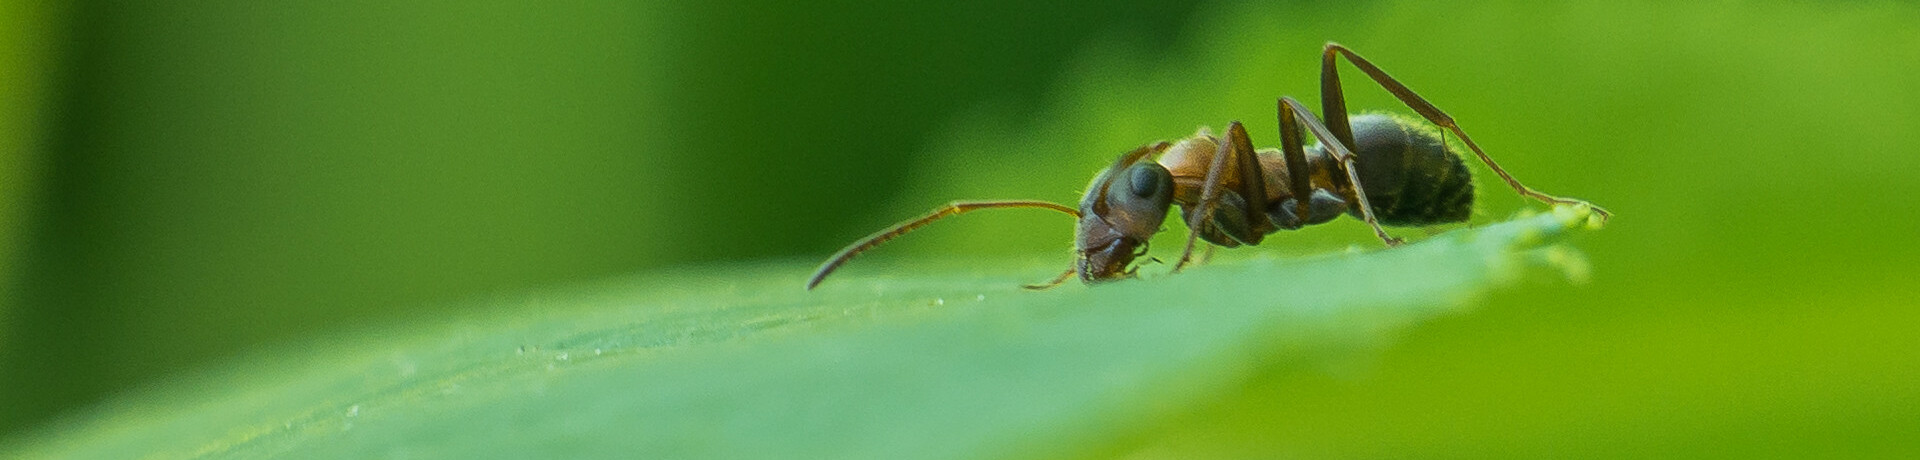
(1382, 169)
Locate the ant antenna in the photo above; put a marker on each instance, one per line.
(951, 209)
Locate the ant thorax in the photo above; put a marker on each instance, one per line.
(1190, 159)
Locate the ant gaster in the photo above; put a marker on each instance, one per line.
(1382, 169)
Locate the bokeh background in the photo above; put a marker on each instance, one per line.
(180, 183)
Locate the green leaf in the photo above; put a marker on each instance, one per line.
(745, 364)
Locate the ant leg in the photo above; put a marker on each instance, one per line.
(1334, 108)
(1292, 116)
(1209, 193)
(951, 209)
(1050, 284)
(1251, 185)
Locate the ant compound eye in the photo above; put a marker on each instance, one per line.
(1148, 179)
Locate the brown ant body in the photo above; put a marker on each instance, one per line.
(1381, 169)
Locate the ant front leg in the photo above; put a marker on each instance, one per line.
(1049, 284)
(1292, 117)
(1334, 108)
(1243, 219)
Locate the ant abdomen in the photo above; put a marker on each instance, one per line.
(1410, 178)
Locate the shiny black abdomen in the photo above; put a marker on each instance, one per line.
(1409, 178)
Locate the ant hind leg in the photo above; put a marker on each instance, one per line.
(1335, 110)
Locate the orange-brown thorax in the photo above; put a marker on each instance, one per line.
(1189, 159)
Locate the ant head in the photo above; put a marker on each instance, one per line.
(1122, 209)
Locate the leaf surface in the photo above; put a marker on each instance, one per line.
(742, 363)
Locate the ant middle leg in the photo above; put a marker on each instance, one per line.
(1334, 108)
(1292, 117)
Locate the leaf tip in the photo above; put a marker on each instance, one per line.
(1570, 262)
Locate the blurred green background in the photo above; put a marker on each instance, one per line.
(184, 182)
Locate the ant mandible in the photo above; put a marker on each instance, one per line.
(1396, 172)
